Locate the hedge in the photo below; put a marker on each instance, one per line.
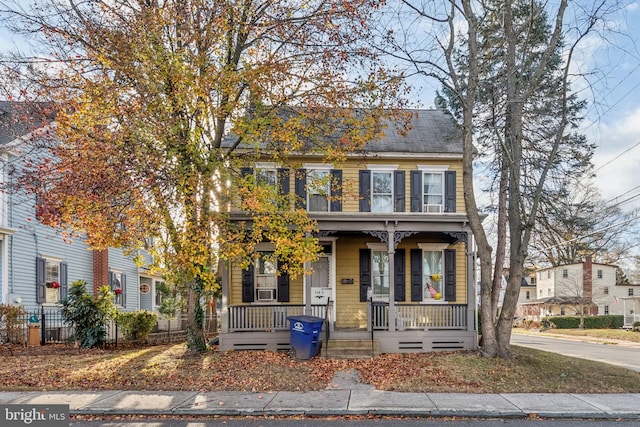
(590, 322)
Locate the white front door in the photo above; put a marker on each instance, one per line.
(322, 279)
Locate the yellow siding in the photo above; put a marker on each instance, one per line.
(235, 287)
(350, 177)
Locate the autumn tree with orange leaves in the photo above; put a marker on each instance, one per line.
(153, 97)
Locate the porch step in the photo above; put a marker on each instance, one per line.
(351, 349)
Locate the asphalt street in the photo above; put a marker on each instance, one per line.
(613, 352)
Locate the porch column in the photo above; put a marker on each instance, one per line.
(307, 291)
(224, 314)
(471, 285)
(391, 248)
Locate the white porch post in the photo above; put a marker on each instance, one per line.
(471, 284)
(392, 279)
(224, 315)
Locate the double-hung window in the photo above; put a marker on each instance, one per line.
(266, 277)
(117, 283)
(381, 191)
(51, 280)
(433, 192)
(318, 190)
(380, 275)
(433, 277)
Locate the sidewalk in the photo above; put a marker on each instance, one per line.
(345, 396)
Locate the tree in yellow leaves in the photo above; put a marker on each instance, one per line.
(153, 99)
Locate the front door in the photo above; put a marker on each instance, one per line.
(322, 279)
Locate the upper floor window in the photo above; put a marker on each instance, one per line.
(533, 279)
(270, 176)
(565, 273)
(599, 274)
(527, 295)
(606, 310)
(382, 191)
(606, 290)
(548, 274)
(630, 292)
(433, 192)
(318, 190)
(548, 291)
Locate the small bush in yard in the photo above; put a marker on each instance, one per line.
(590, 322)
(11, 323)
(635, 327)
(88, 315)
(137, 325)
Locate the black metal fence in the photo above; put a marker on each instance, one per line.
(44, 327)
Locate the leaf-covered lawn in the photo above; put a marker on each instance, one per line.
(170, 367)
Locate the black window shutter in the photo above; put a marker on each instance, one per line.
(64, 281)
(283, 284)
(398, 191)
(399, 276)
(416, 275)
(336, 190)
(301, 192)
(123, 286)
(450, 191)
(111, 281)
(365, 191)
(283, 187)
(247, 284)
(245, 171)
(416, 191)
(41, 285)
(449, 275)
(365, 273)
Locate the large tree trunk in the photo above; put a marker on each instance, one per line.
(195, 318)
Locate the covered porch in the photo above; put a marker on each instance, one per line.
(418, 327)
(631, 310)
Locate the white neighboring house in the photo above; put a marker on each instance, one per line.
(560, 290)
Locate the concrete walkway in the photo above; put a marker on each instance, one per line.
(346, 395)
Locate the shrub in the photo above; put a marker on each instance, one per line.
(88, 315)
(635, 327)
(11, 318)
(590, 322)
(137, 325)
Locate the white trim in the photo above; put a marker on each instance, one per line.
(382, 168)
(433, 246)
(317, 166)
(433, 168)
(52, 258)
(265, 247)
(377, 246)
(266, 165)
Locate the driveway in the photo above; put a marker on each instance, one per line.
(625, 354)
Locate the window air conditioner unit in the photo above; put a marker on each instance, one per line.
(432, 208)
(266, 294)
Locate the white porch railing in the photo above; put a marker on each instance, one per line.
(421, 316)
(267, 317)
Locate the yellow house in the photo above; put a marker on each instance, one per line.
(397, 261)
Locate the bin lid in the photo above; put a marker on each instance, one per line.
(307, 319)
(33, 319)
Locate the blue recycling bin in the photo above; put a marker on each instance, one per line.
(305, 336)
